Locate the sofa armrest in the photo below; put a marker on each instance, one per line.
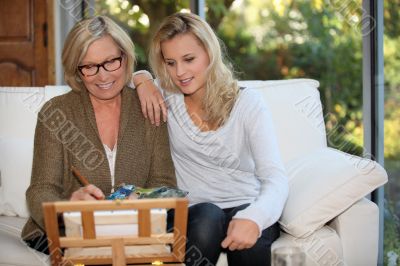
(358, 229)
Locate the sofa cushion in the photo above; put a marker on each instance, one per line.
(18, 113)
(299, 101)
(323, 247)
(322, 185)
(16, 166)
(352, 233)
(18, 110)
(13, 251)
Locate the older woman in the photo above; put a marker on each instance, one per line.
(97, 128)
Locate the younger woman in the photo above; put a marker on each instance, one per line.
(223, 146)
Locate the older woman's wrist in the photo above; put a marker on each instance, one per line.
(137, 85)
(140, 77)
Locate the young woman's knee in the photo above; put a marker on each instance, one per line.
(206, 213)
(206, 218)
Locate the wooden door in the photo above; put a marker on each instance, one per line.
(24, 43)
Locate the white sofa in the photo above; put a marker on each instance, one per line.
(326, 214)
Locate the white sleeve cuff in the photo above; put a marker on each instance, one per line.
(139, 72)
(239, 215)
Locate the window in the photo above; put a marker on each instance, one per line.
(301, 39)
(391, 44)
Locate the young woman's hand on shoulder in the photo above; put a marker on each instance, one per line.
(152, 102)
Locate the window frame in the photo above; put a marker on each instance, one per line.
(373, 97)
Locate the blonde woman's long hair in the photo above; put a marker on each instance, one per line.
(82, 35)
(221, 86)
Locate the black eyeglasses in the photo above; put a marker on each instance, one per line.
(109, 65)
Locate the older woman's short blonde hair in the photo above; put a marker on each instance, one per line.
(221, 86)
(85, 33)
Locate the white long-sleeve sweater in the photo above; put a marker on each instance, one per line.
(236, 164)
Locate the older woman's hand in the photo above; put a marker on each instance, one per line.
(89, 192)
(151, 100)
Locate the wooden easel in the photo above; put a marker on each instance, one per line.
(177, 239)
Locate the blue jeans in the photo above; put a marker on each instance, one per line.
(207, 226)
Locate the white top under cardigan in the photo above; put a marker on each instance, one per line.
(236, 164)
(111, 156)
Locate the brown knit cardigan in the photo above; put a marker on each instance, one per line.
(66, 135)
